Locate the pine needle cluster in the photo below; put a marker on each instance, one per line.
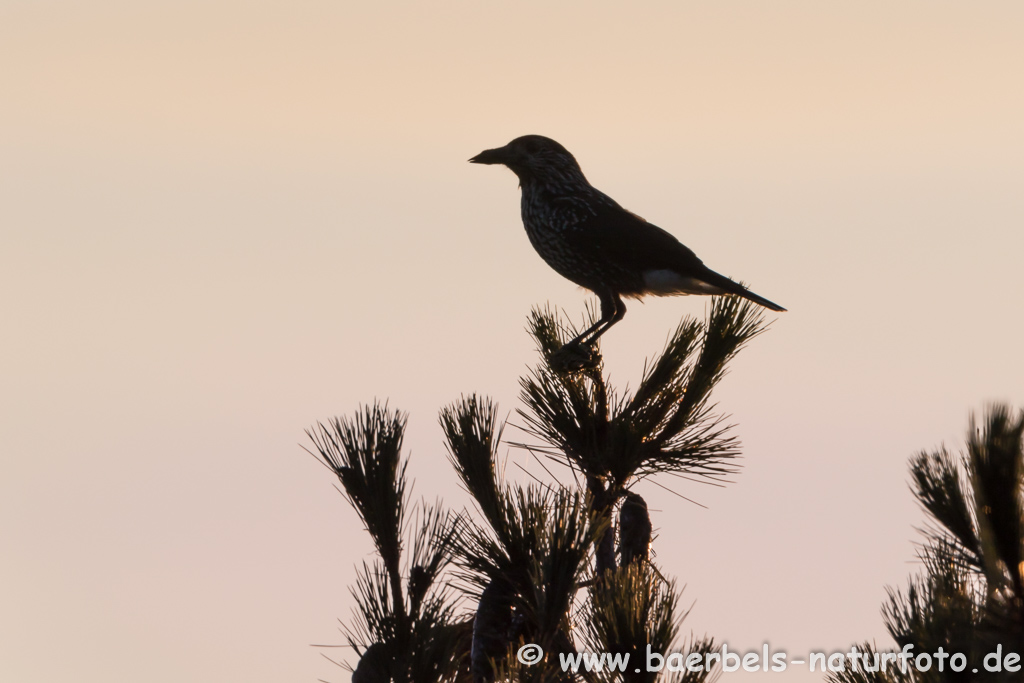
(537, 563)
(970, 596)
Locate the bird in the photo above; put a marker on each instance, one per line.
(588, 238)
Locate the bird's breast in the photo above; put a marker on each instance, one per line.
(556, 229)
(547, 226)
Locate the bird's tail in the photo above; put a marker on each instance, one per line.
(730, 287)
(747, 294)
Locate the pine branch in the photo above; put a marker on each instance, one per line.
(414, 641)
(470, 426)
(701, 646)
(562, 409)
(530, 577)
(365, 454)
(969, 597)
(375, 621)
(524, 565)
(667, 426)
(996, 457)
(629, 610)
(664, 383)
(731, 324)
(938, 609)
(940, 488)
(432, 551)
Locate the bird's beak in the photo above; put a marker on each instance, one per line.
(498, 155)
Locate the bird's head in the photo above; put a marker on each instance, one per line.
(534, 157)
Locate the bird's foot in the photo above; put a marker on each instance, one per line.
(574, 357)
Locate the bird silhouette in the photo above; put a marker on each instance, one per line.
(587, 237)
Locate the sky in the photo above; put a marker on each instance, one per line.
(221, 222)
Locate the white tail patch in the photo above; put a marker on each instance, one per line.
(667, 282)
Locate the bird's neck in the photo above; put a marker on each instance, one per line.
(556, 184)
(548, 205)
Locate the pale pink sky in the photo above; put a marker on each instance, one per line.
(223, 221)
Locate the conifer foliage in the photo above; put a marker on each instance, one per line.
(970, 597)
(566, 566)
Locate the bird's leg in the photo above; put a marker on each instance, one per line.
(578, 340)
(612, 311)
(579, 353)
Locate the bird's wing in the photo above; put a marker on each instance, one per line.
(611, 233)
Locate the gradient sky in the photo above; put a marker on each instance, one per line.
(223, 221)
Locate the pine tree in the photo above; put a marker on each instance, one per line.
(970, 597)
(537, 563)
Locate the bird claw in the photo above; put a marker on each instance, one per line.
(574, 358)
